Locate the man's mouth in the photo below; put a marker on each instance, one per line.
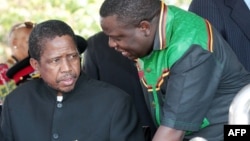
(125, 53)
(121, 51)
(67, 82)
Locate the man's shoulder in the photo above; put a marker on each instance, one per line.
(98, 35)
(25, 88)
(100, 87)
(98, 40)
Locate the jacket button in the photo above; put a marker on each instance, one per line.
(55, 136)
(59, 105)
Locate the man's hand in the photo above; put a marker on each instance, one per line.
(164, 133)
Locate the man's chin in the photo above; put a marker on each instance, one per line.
(133, 58)
(67, 89)
(130, 57)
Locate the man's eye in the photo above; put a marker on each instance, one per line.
(117, 39)
(54, 61)
(74, 56)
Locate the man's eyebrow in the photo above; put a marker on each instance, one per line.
(116, 36)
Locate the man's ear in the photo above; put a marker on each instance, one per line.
(34, 64)
(145, 26)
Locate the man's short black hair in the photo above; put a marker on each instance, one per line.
(44, 31)
(131, 11)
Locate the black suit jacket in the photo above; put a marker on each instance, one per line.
(104, 63)
(92, 111)
(232, 19)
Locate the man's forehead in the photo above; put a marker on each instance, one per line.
(115, 28)
(59, 45)
(60, 41)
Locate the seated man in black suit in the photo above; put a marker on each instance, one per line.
(64, 104)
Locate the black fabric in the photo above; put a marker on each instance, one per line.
(148, 134)
(104, 63)
(93, 111)
(81, 44)
(17, 67)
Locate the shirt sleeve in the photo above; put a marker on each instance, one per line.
(191, 86)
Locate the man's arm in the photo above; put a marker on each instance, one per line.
(168, 134)
(184, 93)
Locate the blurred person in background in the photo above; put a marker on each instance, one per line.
(16, 64)
(18, 41)
(232, 19)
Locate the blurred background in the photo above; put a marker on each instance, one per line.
(81, 15)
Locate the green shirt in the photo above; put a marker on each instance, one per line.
(192, 75)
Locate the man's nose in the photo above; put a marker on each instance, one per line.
(112, 43)
(65, 65)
